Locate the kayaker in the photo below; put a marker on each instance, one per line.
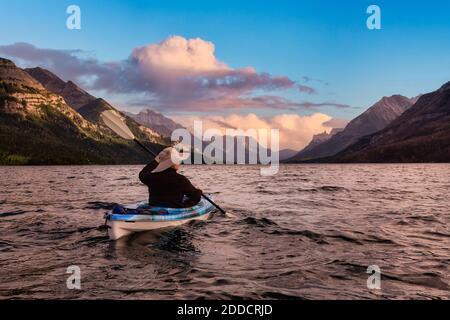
(166, 187)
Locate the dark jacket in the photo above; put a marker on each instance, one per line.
(169, 188)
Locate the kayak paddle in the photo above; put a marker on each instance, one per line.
(116, 123)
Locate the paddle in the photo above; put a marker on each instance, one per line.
(116, 123)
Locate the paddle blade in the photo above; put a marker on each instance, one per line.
(117, 124)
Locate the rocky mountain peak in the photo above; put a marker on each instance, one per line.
(72, 94)
(155, 121)
(6, 63)
(374, 119)
(420, 134)
(445, 87)
(15, 77)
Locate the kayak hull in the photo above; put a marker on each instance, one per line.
(125, 220)
(120, 229)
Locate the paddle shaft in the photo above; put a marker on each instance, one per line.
(204, 196)
(213, 203)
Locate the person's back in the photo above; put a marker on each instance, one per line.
(166, 186)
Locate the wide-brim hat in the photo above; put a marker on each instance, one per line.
(168, 158)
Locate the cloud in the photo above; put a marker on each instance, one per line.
(306, 79)
(306, 89)
(174, 74)
(313, 105)
(336, 123)
(179, 55)
(295, 131)
(228, 102)
(181, 71)
(67, 63)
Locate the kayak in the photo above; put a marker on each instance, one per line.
(138, 217)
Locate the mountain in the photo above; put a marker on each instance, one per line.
(93, 109)
(372, 120)
(72, 94)
(420, 134)
(317, 140)
(248, 148)
(147, 125)
(227, 147)
(286, 154)
(156, 121)
(38, 127)
(89, 106)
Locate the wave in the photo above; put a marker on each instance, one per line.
(332, 188)
(97, 205)
(12, 213)
(270, 227)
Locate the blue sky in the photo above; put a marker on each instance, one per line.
(327, 42)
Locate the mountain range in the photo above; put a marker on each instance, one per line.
(72, 94)
(39, 126)
(89, 106)
(317, 140)
(155, 120)
(420, 134)
(372, 120)
(46, 120)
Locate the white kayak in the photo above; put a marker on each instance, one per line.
(138, 217)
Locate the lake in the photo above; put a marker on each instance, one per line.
(310, 232)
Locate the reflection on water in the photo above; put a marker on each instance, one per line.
(309, 232)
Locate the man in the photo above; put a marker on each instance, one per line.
(166, 187)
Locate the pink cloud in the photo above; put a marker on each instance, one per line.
(176, 73)
(179, 56)
(296, 131)
(228, 102)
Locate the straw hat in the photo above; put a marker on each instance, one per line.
(168, 158)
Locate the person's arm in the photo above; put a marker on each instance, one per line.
(145, 173)
(194, 195)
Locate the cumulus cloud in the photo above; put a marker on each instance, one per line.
(179, 55)
(174, 74)
(295, 131)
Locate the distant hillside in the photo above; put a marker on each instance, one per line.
(38, 127)
(72, 94)
(228, 147)
(89, 106)
(156, 121)
(420, 134)
(286, 154)
(316, 141)
(92, 112)
(372, 120)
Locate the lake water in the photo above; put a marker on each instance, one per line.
(309, 232)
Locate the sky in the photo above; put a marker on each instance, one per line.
(237, 58)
